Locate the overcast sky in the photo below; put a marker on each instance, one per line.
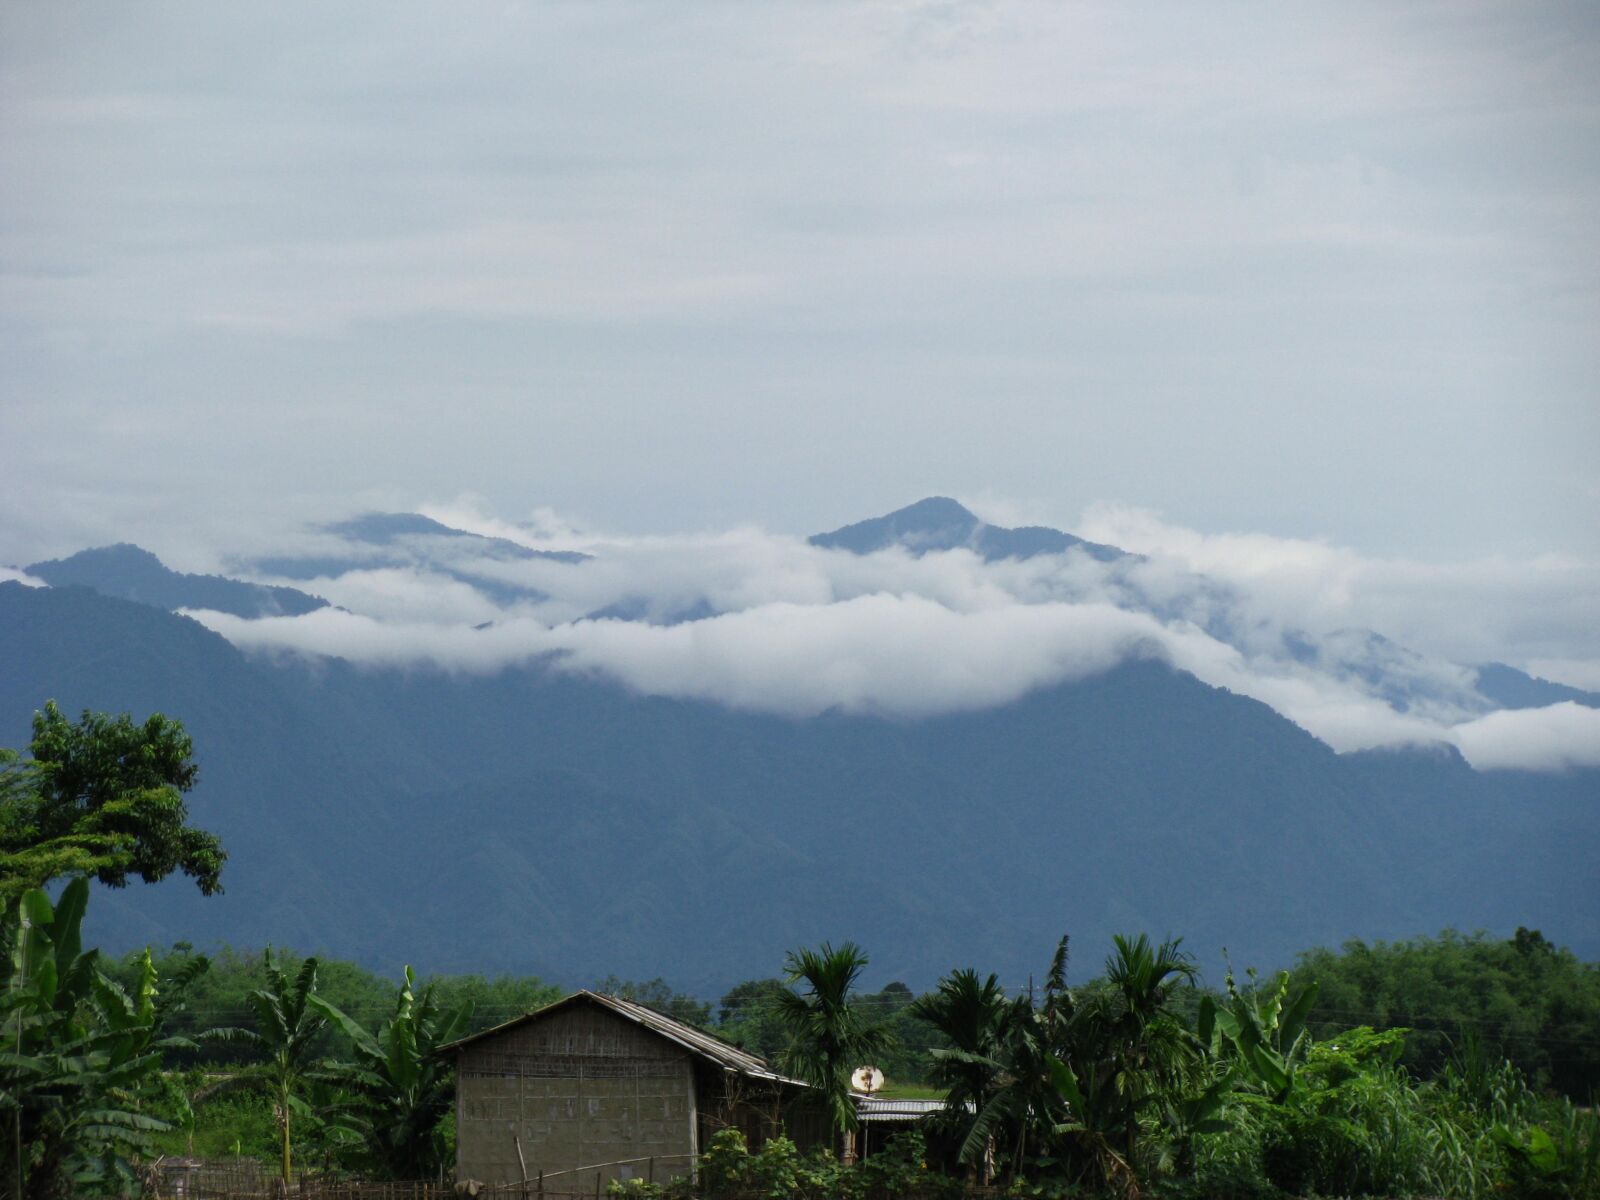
(1314, 271)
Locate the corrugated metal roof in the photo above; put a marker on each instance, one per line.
(869, 1108)
(696, 1041)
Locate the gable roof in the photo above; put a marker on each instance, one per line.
(696, 1041)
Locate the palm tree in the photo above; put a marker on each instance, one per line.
(975, 1019)
(828, 1036)
(289, 1019)
(403, 1088)
(1121, 1052)
(970, 1014)
(1025, 1106)
(1071, 1077)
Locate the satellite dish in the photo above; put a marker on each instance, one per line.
(866, 1079)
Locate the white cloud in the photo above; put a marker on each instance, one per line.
(1533, 739)
(1490, 609)
(404, 594)
(12, 575)
(799, 630)
(909, 655)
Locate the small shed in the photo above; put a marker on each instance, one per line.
(882, 1118)
(595, 1087)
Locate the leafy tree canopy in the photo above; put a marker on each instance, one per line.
(102, 796)
(657, 994)
(1521, 997)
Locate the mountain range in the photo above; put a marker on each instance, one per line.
(535, 818)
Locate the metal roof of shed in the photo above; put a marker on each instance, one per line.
(872, 1108)
(696, 1041)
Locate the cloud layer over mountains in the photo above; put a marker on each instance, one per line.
(772, 623)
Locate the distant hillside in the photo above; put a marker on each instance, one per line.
(535, 821)
(130, 573)
(1508, 687)
(940, 523)
(377, 541)
(401, 539)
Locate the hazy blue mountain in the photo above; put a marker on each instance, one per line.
(534, 820)
(652, 612)
(408, 538)
(377, 541)
(1508, 687)
(130, 573)
(388, 529)
(940, 523)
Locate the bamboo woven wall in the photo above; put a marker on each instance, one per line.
(578, 1087)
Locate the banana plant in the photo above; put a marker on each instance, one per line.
(1263, 1029)
(402, 1086)
(288, 1023)
(1188, 1116)
(80, 1055)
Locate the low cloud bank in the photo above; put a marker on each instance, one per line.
(12, 575)
(1521, 611)
(894, 655)
(906, 655)
(1533, 739)
(768, 622)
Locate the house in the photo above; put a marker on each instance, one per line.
(595, 1087)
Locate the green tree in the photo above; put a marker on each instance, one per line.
(971, 1015)
(288, 1023)
(80, 1056)
(102, 796)
(748, 1016)
(658, 994)
(829, 1037)
(1521, 997)
(1070, 1082)
(1123, 1052)
(487, 1001)
(402, 1087)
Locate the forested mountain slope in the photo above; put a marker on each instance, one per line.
(534, 820)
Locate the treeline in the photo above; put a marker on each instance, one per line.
(1522, 998)
(1440, 1066)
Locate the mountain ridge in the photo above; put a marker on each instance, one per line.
(527, 819)
(131, 572)
(941, 523)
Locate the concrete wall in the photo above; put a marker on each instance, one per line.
(578, 1087)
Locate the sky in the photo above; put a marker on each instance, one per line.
(1301, 298)
(1315, 271)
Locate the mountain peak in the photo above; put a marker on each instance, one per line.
(940, 523)
(380, 528)
(933, 512)
(131, 572)
(123, 554)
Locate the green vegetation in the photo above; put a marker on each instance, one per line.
(399, 1085)
(658, 995)
(1521, 998)
(1136, 1081)
(1445, 1066)
(104, 797)
(828, 1035)
(289, 1016)
(81, 1056)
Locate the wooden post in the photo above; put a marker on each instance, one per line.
(650, 1170)
(597, 1185)
(541, 1183)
